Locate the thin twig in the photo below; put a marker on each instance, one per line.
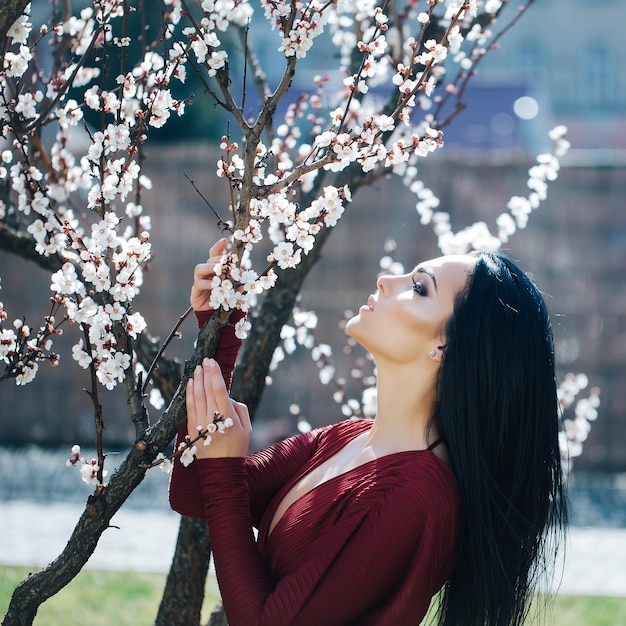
(97, 406)
(164, 345)
(460, 105)
(245, 67)
(220, 222)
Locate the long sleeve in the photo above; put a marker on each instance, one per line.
(184, 486)
(378, 563)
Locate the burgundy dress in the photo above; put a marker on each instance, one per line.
(370, 546)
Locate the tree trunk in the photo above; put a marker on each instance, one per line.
(218, 617)
(184, 589)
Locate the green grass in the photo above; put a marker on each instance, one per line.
(101, 598)
(587, 611)
(566, 610)
(132, 599)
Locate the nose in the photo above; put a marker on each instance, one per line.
(387, 283)
(384, 283)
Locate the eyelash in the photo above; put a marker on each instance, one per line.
(418, 287)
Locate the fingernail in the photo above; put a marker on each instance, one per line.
(205, 361)
(212, 362)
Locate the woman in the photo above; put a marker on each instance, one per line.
(456, 483)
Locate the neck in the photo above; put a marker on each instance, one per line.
(405, 399)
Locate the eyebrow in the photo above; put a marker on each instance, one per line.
(429, 272)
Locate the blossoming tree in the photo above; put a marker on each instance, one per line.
(291, 167)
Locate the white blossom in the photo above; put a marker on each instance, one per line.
(242, 327)
(78, 354)
(188, 455)
(20, 29)
(156, 399)
(135, 324)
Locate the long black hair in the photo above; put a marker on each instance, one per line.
(497, 410)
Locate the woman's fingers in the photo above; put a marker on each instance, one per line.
(218, 390)
(203, 274)
(207, 398)
(191, 406)
(219, 247)
(200, 396)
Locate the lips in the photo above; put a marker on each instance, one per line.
(370, 303)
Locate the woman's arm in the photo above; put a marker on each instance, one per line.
(385, 543)
(267, 470)
(184, 487)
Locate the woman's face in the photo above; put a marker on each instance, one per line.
(404, 320)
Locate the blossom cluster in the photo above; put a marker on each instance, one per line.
(301, 332)
(576, 427)
(298, 23)
(21, 350)
(187, 448)
(354, 133)
(89, 470)
(479, 236)
(104, 252)
(105, 249)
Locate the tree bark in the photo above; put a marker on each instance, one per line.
(184, 589)
(23, 245)
(218, 617)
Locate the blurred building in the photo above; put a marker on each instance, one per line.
(574, 246)
(569, 55)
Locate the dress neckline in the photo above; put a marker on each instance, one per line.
(345, 437)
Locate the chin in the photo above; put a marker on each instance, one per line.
(352, 329)
(351, 323)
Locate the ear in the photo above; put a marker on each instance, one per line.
(437, 353)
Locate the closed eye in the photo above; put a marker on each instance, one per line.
(418, 287)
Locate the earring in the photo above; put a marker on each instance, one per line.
(432, 353)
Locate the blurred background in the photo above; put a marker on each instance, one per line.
(555, 67)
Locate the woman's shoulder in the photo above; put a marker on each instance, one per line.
(353, 426)
(419, 488)
(342, 432)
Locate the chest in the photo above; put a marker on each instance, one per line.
(350, 457)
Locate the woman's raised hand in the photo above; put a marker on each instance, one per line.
(208, 403)
(203, 275)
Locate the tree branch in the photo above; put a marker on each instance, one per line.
(23, 245)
